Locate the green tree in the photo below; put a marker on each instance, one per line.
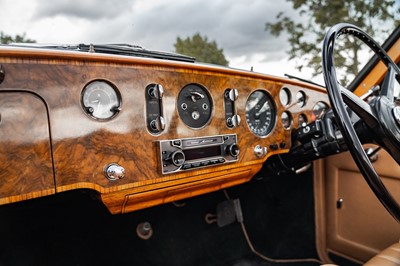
(201, 49)
(6, 39)
(316, 16)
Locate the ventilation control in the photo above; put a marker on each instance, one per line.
(231, 117)
(154, 108)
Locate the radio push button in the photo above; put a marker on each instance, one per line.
(195, 164)
(214, 161)
(204, 163)
(186, 166)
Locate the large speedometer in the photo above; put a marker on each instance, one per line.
(260, 113)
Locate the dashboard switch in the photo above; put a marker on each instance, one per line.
(154, 108)
(158, 124)
(233, 94)
(235, 120)
(158, 91)
(114, 171)
(231, 117)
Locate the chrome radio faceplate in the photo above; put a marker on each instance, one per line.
(192, 153)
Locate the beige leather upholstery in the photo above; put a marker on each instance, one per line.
(388, 257)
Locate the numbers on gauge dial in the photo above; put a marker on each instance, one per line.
(260, 113)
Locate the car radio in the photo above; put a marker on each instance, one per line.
(192, 153)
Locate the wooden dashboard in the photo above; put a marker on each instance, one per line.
(48, 144)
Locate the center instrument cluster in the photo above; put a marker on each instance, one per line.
(264, 115)
(194, 106)
(140, 131)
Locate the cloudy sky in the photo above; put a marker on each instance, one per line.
(238, 27)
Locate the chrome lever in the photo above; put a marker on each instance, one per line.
(372, 153)
(371, 91)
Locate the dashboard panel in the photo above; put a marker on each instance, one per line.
(96, 121)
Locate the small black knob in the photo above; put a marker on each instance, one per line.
(233, 150)
(178, 158)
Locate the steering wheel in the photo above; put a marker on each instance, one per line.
(381, 116)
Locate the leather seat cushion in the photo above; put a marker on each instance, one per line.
(388, 257)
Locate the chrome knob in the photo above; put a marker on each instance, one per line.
(260, 151)
(158, 124)
(158, 91)
(233, 95)
(235, 120)
(178, 158)
(114, 171)
(233, 150)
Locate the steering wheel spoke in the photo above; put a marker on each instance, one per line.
(358, 106)
(388, 84)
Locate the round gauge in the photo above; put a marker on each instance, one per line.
(286, 120)
(301, 98)
(302, 120)
(194, 105)
(319, 110)
(260, 113)
(285, 96)
(100, 100)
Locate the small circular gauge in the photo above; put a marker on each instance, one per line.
(285, 96)
(319, 109)
(194, 105)
(302, 120)
(286, 120)
(100, 100)
(301, 98)
(260, 113)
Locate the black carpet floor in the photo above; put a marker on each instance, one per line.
(74, 228)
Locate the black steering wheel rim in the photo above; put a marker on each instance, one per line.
(343, 120)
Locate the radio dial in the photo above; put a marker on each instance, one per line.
(178, 158)
(233, 150)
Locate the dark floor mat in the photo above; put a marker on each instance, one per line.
(73, 229)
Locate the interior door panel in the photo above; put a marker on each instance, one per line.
(357, 226)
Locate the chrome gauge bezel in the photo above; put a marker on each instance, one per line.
(319, 109)
(285, 96)
(108, 98)
(274, 115)
(301, 99)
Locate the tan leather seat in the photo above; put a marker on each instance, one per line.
(387, 257)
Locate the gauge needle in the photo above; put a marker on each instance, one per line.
(264, 107)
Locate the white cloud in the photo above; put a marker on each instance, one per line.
(238, 27)
(88, 9)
